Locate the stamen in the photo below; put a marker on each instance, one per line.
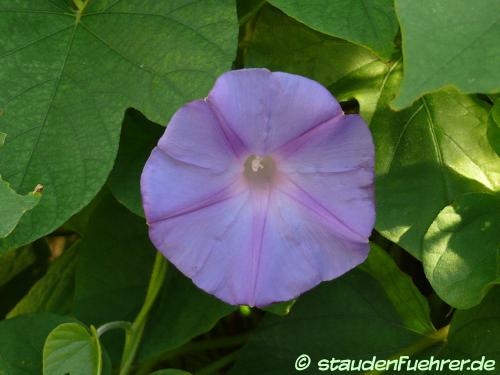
(257, 163)
(260, 171)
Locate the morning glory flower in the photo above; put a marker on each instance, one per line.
(263, 189)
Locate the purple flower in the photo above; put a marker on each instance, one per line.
(262, 190)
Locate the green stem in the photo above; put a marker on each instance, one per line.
(99, 349)
(193, 347)
(252, 13)
(434, 338)
(134, 335)
(119, 324)
(217, 365)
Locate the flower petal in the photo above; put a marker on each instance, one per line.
(171, 187)
(266, 110)
(194, 136)
(212, 246)
(299, 250)
(256, 249)
(333, 165)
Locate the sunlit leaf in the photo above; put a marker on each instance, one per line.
(462, 248)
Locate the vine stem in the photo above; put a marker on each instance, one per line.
(134, 334)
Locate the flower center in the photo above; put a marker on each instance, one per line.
(260, 171)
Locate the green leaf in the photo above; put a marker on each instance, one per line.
(365, 84)
(462, 247)
(282, 44)
(411, 306)
(66, 81)
(113, 269)
(369, 23)
(349, 317)
(14, 262)
(116, 258)
(449, 43)
(71, 349)
(139, 136)
(494, 127)
(280, 308)
(182, 312)
(12, 205)
(427, 155)
(474, 332)
(21, 342)
(54, 291)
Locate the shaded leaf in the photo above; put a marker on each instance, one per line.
(370, 23)
(139, 136)
(183, 311)
(449, 43)
(54, 291)
(280, 43)
(170, 372)
(349, 317)
(411, 306)
(473, 334)
(14, 262)
(22, 339)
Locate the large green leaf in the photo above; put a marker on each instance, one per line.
(370, 23)
(71, 349)
(113, 269)
(462, 249)
(139, 136)
(427, 155)
(282, 44)
(54, 291)
(449, 42)
(410, 304)
(350, 317)
(66, 80)
(21, 342)
(116, 258)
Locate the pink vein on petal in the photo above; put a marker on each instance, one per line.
(305, 199)
(260, 207)
(296, 143)
(222, 195)
(234, 141)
